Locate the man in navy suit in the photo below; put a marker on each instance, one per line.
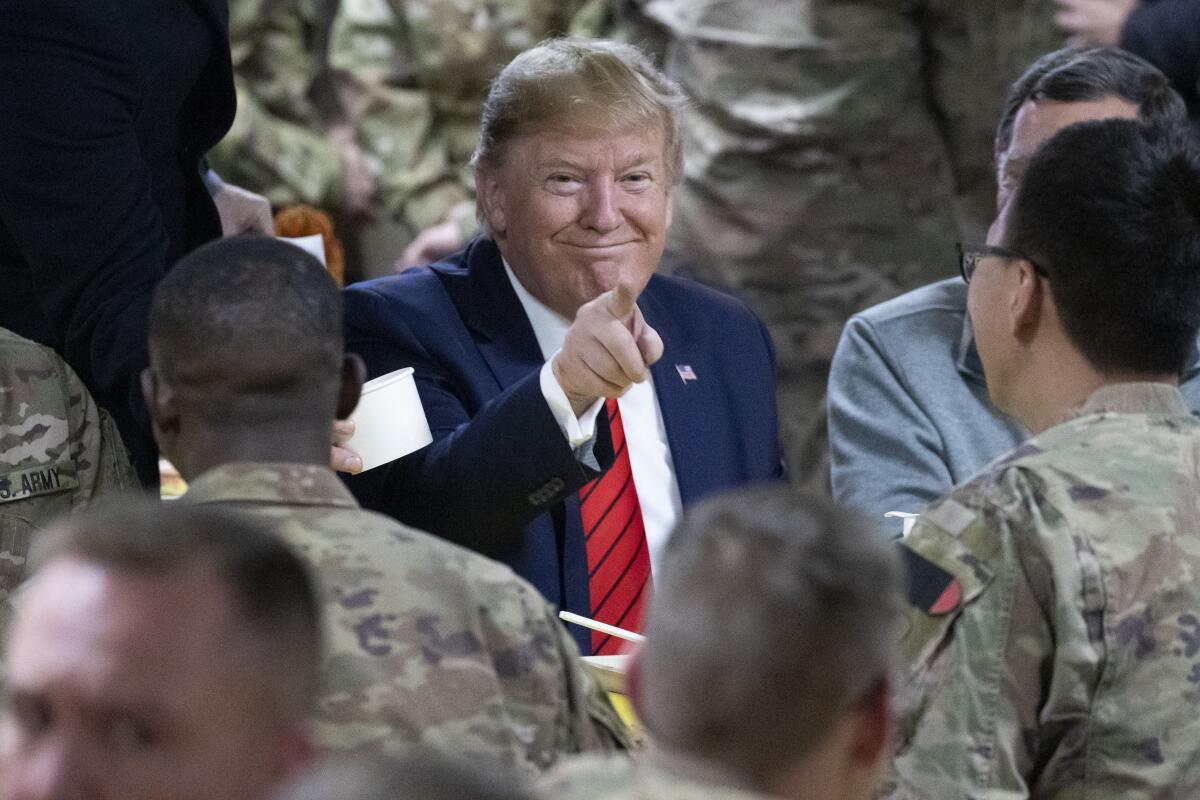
(523, 342)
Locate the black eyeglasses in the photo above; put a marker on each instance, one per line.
(969, 256)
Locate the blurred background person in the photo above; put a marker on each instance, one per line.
(766, 670)
(289, 139)
(159, 653)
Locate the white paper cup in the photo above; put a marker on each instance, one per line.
(313, 245)
(389, 422)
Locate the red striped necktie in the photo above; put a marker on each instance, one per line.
(618, 561)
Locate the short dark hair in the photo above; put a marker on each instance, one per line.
(1082, 73)
(273, 591)
(1110, 209)
(254, 321)
(773, 615)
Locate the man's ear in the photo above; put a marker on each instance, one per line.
(873, 728)
(164, 413)
(490, 197)
(354, 372)
(1027, 300)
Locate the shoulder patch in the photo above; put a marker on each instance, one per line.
(930, 588)
(950, 515)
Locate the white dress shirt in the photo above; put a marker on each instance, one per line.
(645, 433)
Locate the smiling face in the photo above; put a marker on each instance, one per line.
(576, 214)
(127, 686)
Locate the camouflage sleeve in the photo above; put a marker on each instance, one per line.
(276, 145)
(368, 40)
(591, 723)
(286, 161)
(97, 447)
(976, 49)
(974, 644)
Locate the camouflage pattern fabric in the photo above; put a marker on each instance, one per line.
(58, 451)
(1059, 654)
(835, 153)
(414, 75)
(649, 778)
(277, 145)
(426, 642)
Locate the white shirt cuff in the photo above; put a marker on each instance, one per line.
(581, 430)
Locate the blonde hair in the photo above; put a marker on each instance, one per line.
(586, 85)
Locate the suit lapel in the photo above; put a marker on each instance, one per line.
(686, 384)
(507, 342)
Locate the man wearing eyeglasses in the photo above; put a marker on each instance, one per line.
(1052, 640)
(909, 414)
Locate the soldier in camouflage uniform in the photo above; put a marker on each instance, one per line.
(765, 670)
(427, 642)
(834, 153)
(58, 450)
(909, 414)
(1052, 640)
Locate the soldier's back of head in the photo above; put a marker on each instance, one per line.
(767, 663)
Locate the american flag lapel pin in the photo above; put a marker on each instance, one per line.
(686, 373)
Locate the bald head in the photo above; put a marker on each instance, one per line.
(771, 618)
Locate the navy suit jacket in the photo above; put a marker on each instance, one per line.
(500, 476)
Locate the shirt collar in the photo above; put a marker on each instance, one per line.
(697, 772)
(548, 325)
(1136, 398)
(277, 483)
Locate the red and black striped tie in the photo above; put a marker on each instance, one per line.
(618, 562)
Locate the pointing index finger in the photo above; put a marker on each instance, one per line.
(622, 302)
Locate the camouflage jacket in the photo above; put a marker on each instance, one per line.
(58, 450)
(1054, 639)
(655, 776)
(414, 75)
(278, 144)
(426, 642)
